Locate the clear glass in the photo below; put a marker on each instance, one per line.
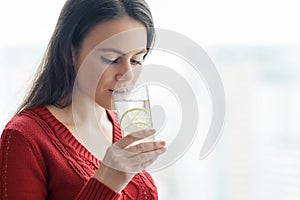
(133, 107)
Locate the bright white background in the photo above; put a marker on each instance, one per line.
(256, 48)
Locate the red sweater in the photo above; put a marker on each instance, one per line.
(41, 159)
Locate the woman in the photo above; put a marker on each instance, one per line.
(42, 155)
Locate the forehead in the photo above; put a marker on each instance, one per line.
(124, 34)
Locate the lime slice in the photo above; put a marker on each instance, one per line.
(135, 119)
(135, 127)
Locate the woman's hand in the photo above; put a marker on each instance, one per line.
(123, 160)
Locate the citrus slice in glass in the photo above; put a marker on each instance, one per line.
(135, 119)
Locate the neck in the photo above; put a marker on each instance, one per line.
(92, 123)
(84, 109)
(88, 122)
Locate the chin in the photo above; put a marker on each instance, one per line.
(109, 107)
(106, 105)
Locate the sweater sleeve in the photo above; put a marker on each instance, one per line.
(94, 189)
(22, 173)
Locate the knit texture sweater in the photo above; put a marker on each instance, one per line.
(41, 159)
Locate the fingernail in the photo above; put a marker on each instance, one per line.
(163, 143)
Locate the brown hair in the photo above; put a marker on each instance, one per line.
(54, 80)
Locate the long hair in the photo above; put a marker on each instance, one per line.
(55, 77)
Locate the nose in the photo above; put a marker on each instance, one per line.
(125, 72)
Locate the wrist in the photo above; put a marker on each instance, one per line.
(114, 179)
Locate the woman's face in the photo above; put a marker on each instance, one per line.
(110, 50)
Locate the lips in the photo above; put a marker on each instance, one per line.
(124, 88)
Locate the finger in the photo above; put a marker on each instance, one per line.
(149, 162)
(140, 162)
(139, 159)
(146, 146)
(135, 163)
(133, 137)
(141, 166)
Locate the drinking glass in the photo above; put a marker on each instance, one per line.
(133, 108)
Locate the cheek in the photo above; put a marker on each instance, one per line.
(103, 96)
(89, 75)
(106, 80)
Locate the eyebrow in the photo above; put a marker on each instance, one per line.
(118, 51)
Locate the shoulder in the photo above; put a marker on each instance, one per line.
(27, 123)
(24, 121)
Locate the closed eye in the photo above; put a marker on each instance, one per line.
(116, 61)
(136, 62)
(109, 61)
